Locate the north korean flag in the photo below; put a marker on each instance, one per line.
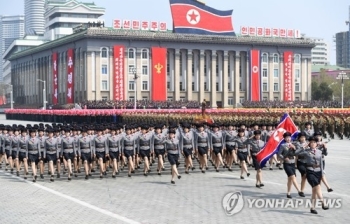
(191, 16)
(272, 146)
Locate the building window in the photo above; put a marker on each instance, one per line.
(205, 86)
(297, 87)
(264, 73)
(275, 98)
(230, 101)
(181, 87)
(241, 100)
(144, 85)
(144, 98)
(297, 59)
(240, 86)
(144, 54)
(131, 85)
(217, 87)
(265, 99)
(275, 87)
(229, 86)
(167, 69)
(217, 70)
(275, 73)
(104, 70)
(131, 53)
(131, 69)
(264, 58)
(265, 87)
(104, 53)
(182, 98)
(205, 70)
(104, 98)
(104, 85)
(297, 98)
(297, 73)
(170, 98)
(144, 70)
(240, 71)
(168, 85)
(131, 98)
(276, 58)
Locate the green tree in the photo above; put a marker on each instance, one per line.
(321, 91)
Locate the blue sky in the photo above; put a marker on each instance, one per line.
(314, 18)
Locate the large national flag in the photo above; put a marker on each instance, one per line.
(272, 146)
(191, 16)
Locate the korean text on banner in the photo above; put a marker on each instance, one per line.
(288, 76)
(118, 76)
(255, 89)
(159, 90)
(70, 76)
(54, 79)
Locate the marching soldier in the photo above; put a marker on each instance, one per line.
(230, 146)
(202, 145)
(114, 147)
(242, 151)
(51, 153)
(99, 143)
(287, 154)
(68, 150)
(187, 146)
(144, 146)
(217, 145)
(22, 153)
(158, 147)
(173, 152)
(34, 152)
(128, 146)
(86, 151)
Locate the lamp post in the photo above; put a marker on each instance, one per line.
(44, 93)
(342, 76)
(134, 71)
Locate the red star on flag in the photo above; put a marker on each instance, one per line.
(193, 16)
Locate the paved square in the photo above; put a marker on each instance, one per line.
(195, 198)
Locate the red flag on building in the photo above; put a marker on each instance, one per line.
(159, 87)
(255, 84)
(70, 76)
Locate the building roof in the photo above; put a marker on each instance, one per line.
(137, 35)
(317, 68)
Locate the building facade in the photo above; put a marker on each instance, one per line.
(62, 16)
(34, 17)
(320, 53)
(198, 67)
(342, 49)
(11, 28)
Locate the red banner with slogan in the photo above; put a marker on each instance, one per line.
(70, 76)
(255, 84)
(54, 79)
(159, 91)
(118, 76)
(288, 76)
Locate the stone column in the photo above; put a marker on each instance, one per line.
(271, 78)
(189, 74)
(308, 78)
(177, 75)
(201, 75)
(213, 79)
(237, 61)
(225, 79)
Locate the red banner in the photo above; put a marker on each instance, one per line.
(255, 84)
(118, 77)
(54, 79)
(159, 91)
(70, 76)
(288, 76)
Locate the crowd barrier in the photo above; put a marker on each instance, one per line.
(115, 115)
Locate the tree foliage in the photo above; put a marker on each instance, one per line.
(321, 91)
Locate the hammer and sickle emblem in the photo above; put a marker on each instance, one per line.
(159, 68)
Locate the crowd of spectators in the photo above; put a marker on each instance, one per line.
(141, 104)
(291, 104)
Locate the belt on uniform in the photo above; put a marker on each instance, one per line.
(313, 166)
(188, 145)
(67, 148)
(114, 149)
(32, 150)
(158, 144)
(242, 147)
(51, 150)
(85, 148)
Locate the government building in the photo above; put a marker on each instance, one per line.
(109, 64)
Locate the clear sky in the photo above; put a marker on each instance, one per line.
(315, 18)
